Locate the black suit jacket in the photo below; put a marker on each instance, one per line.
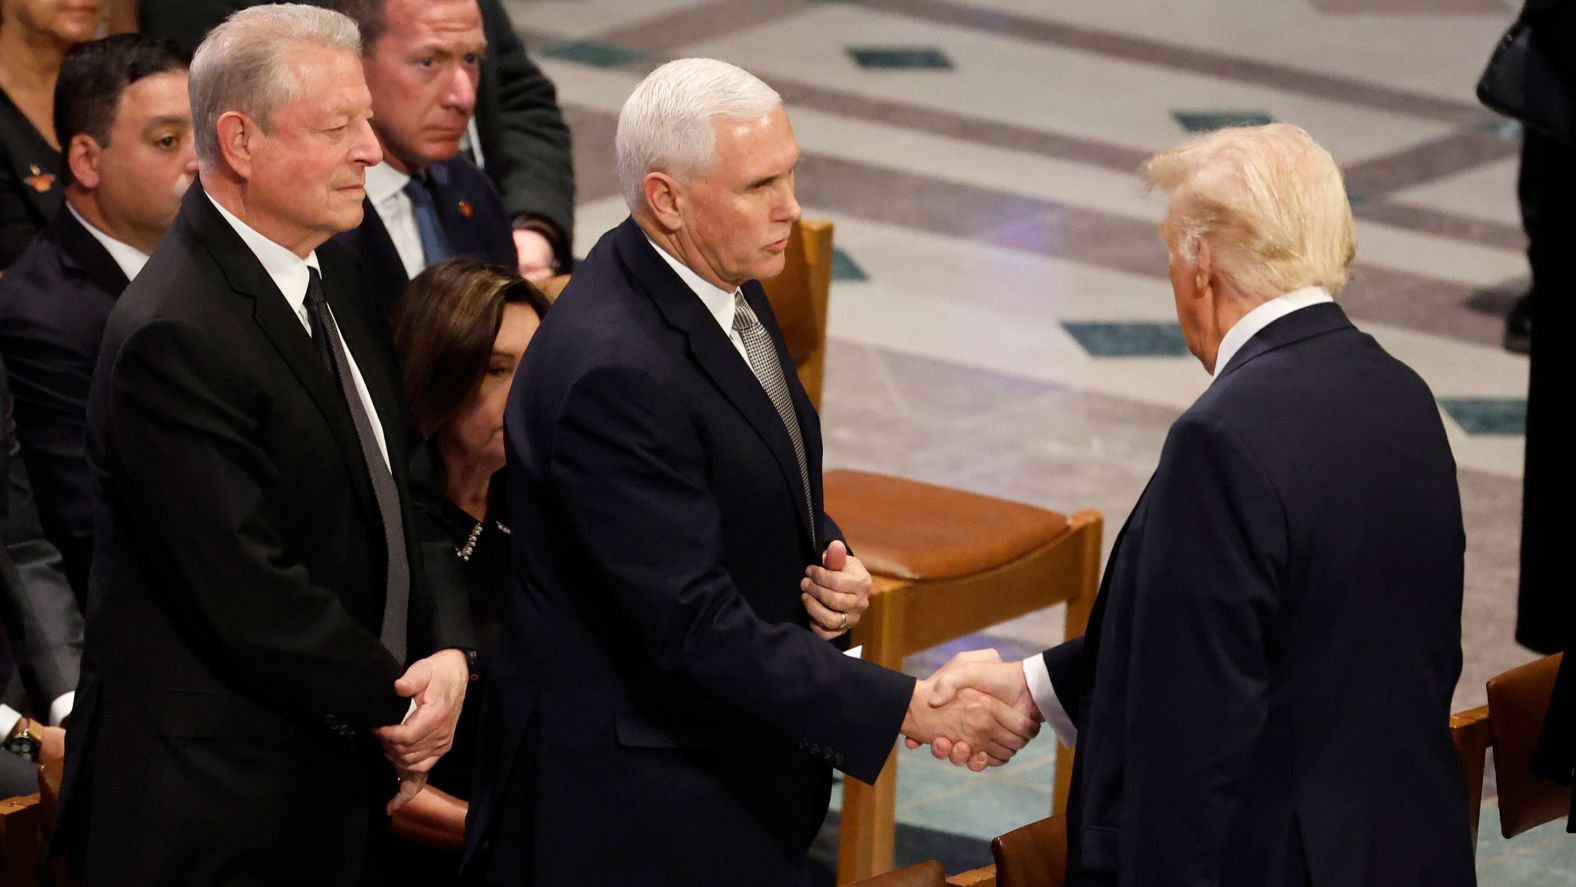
(30, 189)
(40, 622)
(233, 670)
(662, 714)
(1263, 692)
(472, 216)
(53, 304)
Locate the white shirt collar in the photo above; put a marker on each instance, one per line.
(384, 182)
(129, 258)
(719, 302)
(287, 270)
(1261, 317)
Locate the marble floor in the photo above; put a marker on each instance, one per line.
(1001, 319)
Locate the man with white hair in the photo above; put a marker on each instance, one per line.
(260, 643)
(670, 702)
(1262, 696)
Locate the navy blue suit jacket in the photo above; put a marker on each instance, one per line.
(53, 305)
(1263, 693)
(469, 210)
(663, 714)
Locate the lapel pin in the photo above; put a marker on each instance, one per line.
(465, 209)
(42, 181)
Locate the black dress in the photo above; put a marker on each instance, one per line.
(454, 543)
(30, 188)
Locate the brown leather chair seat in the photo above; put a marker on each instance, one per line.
(918, 531)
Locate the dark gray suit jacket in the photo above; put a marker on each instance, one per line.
(42, 626)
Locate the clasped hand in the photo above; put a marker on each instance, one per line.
(837, 593)
(975, 711)
(437, 686)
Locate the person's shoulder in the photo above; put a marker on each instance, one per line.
(36, 272)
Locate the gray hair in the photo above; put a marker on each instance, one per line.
(666, 124)
(243, 65)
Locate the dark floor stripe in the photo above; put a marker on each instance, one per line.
(1372, 179)
(1185, 58)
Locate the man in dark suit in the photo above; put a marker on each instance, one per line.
(425, 202)
(1262, 696)
(257, 618)
(40, 625)
(122, 112)
(519, 135)
(669, 704)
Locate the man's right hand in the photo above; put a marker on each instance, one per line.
(985, 728)
(982, 671)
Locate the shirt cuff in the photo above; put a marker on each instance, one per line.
(409, 711)
(60, 709)
(8, 718)
(1044, 695)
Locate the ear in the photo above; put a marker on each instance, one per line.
(1203, 269)
(82, 158)
(664, 199)
(236, 132)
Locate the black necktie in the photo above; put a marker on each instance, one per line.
(325, 335)
(763, 360)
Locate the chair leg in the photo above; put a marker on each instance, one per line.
(868, 830)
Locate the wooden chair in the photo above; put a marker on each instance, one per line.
(946, 563)
(20, 820)
(1518, 701)
(925, 874)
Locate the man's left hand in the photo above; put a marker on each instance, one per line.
(835, 595)
(437, 684)
(535, 254)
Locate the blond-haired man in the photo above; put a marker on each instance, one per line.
(1262, 695)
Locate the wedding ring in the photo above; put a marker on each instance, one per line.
(843, 623)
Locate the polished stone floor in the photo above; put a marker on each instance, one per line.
(1001, 318)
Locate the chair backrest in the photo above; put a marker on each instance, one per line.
(1032, 856)
(925, 874)
(799, 299)
(1518, 702)
(1471, 733)
(19, 841)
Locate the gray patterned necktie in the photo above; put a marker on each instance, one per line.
(769, 371)
(325, 335)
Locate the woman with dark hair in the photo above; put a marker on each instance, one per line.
(35, 36)
(460, 330)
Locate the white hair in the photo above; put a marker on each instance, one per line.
(1270, 202)
(243, 64)
(666, 124)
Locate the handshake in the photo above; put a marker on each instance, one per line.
(976, 711)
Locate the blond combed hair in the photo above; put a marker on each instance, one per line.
(1269, 201)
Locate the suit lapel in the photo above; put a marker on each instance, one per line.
(82, 254)
(284, 330)
(714, 352)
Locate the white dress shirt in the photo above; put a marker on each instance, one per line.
(290, 274)
(718, 301)
(129, 258)
(386, 190)
(1262, 316)
(1034, 670)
